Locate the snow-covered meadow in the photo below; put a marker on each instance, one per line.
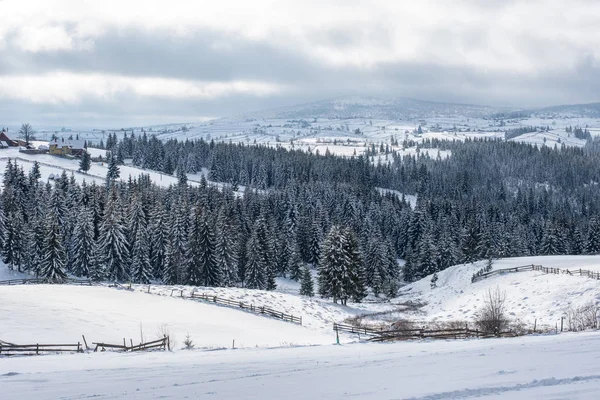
(273, 359)
(564, 366)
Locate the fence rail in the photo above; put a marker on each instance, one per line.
(382, 335)
(33, 349)
(264, 310)
(541, 268)
(502, 271)
(38, 281)
(163, 343)
(249, 307)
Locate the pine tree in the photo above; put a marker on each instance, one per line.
(341, 273)
(52, 266)
(159, 242)
(255, 274)
(113, 172)
(141, 269)
(306, 283)
(114, 248)
(86, 162)
(203, 268)
(83, 243)
(226, 255)
(593, 239)
(434, 279)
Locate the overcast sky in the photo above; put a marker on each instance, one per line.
(122, 63)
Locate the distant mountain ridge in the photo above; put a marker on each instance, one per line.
(377, 108)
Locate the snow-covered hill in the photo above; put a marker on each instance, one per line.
(530, 295)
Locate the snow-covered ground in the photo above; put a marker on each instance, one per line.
(565, 366)
(62, 313)
(530, 296)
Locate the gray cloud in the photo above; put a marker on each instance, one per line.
(470, 61)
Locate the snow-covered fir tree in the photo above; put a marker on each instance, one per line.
(114, 248)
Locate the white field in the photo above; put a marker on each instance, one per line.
(564, 366)
(530, 296)
(275, 359)
(62, 313)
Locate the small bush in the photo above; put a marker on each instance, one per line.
(584, 317)
(492, 318)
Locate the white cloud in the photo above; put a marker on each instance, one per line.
(70, 88)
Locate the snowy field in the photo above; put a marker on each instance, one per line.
(565, 366)
(530, 295)
(62, 313)
(275, 359)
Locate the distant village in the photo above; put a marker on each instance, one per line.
(56, 147)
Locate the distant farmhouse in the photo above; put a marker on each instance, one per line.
(67, 147)
(7, 140)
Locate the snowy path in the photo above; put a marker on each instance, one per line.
(563, 366)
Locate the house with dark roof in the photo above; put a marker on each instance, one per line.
(7, 141)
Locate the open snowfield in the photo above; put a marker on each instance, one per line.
(565, 366)
(62, 313)
(529, 295)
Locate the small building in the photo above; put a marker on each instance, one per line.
(66, 147)
(7, 141)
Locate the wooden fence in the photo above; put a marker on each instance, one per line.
(163, 343)
(502, 271)
(33, 349)
(382, 335)
(248, 307)
(263, 310)
(39, 281)
(532, 267)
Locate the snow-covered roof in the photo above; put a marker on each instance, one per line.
(74, 144)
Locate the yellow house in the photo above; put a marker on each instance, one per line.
(63, 147)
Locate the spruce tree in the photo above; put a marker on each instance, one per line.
(255, 269)
(226, 255)
(52, 265)
(203, 268)
(86, 162)
(306, 283)
(114, 248)
(83, 243)
(141, 269)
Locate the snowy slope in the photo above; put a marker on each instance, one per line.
(62, 313)
(530, 295)
(317, 314)
(565, 366)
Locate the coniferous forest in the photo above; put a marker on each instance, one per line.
(488, 199)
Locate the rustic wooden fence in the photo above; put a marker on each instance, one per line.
(502, 271)
(261, 310)
(163, 343)
(581, 272)
(7, 349)
(247, 306)
(39, 281)
(382, 335)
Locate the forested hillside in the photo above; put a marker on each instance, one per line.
(489, 199)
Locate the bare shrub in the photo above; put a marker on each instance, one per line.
(404, 325)
(491, 318)
(581, 318)
(165, 331)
